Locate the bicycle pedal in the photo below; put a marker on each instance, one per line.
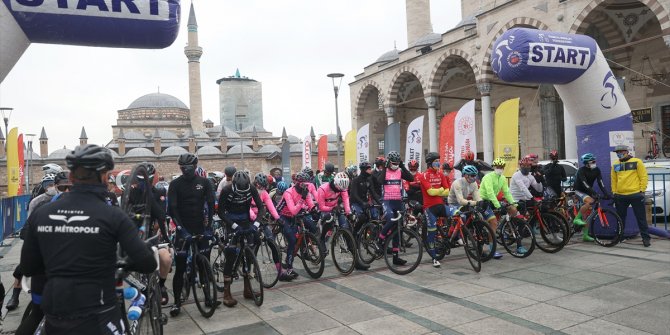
(163, 319)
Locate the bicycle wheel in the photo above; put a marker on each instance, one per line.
(442, 247)
(473, 250)
(152, 319)
(218, 263)
(251, 270)
(311, 255)
(136, 201)
(409, 249)
(606, 230)
(343, 250)
(280, 241)
(269, 259)
(483, 233)
(550, 233)
(204, 286)
(517, 238)
(186, 288)
(367, 242)
(665, 147)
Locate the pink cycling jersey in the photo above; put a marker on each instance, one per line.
(327, 199)
(312, 190)
(393, 184)
(265, 197)
(293, 203)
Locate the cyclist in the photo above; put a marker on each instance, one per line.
(434, 187)
(536, 171)
(521, 183)
(468, 158)
(277, 194)
(74, 242)
(629, 181)
(229, 171)
(362, 193)
(187, 197)
(446, 170)
(48, 183)
(313, 182)
(327, 175)
(413, 189)
(391, 178)
(491, 185)
(586, 176)
(295, 200)
(352, 171)
(52, 169)
(261, 183)
(234, 210)
(329, 196)
(554, 173)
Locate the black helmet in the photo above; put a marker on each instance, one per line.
(432, 156)
(62, 178)
(229, 171)
(393, 157)
(151, 169)
(364, 166)
(329, 167)
(91, 157)
(380, 161)
(261, 179)
(188, 159)
(301, 177)
(241, 182)
(308, 170)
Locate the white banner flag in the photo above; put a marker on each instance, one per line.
(465, 137)
(363, 143)
(307, 152)
(414, 142)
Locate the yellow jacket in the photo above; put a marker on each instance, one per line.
(629, 177)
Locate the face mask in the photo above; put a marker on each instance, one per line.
(620, 155)
(470, 179)
(592, 166)
(394, 166)
(435, 165)
(413, 172)
(498, 171)
(525, 171)
(51, 191)
(188, 170)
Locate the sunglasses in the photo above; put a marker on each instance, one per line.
(63, 188)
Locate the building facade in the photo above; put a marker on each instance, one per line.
(241, 102)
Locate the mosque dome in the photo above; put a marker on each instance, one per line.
(140, 152)
(388, 56)
(208, 150)
(173, 151)
(269, 148)
(428, 39)
(157, 100)
(60, 153)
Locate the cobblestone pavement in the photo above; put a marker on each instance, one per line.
(583, 289)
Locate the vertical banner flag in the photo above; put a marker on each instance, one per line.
(506, 135)
(446, 149)
(464, 132)
(13, 180)
(286, 161)
(22, 170)
(392, 138)
(414, 142)
(363, 143)
(323, 152)
(307, 152)
(350, 148)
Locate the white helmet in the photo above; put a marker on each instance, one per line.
(52, 168)
(341, 181)
(49, 177)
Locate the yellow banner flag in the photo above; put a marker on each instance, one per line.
(350, 155)
(506, 135)
(13, 174)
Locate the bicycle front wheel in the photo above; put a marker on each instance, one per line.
(473, 250)
(406, 256)
(152, 318)
(483, 233)
(269, 259)
(252, 272)
(606, 227)
(343, 250)
(550, 233)
(517, 238)
(367, 242)
(218, 264)
(311, 255)
(204, 286)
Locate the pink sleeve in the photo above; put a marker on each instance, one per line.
(268, 203)
(253, 211)
(312, 190)
(292, 207)
(310, 203)
(321, 200)
(345, 201)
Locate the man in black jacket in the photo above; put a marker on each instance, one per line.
(554, 173)
(73, 241)
(363, 193)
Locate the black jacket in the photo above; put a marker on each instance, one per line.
(74, 242)
(362, 189)
(234, 203)
(554, 173)
(188, 198)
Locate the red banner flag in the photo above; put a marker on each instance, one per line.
(323, 152)
(22, 171)
(447, 139)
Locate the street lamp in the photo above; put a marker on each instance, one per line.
(29, 173)
(6, 114)
(336, 89)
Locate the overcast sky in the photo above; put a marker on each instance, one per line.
(289, 46)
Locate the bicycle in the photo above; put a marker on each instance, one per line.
(307, 248)
(514, 234)
(369, 242)
(548, 226)
(455, 228)
(268, 256)
(136, 199)
(342, 245)
(199, 276)
(605, 225)
(653, 150)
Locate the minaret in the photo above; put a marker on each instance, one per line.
(193, 53)
(44, 144)
(83, 139)
(418, 19)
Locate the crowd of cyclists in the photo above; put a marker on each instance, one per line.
(73, 228)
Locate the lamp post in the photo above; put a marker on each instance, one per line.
(6, 114)
(29, 173)
(336, 89)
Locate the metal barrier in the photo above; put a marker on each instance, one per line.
(659, 199)
(14, 212)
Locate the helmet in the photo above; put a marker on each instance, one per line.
(341, 181)
(282, 186)
(218, 175)
(91, 157)
(393, 157)
(188, 159)
(329, 167)
(229, 171)
(553, 154)
(271, 180)
(62, 178)
(413, 165)
(533, 156)
(200, 172)
(51, 168)
(301, 177)
(261, 180)
(151, 169)
(351, 170)
(241, 182)
(587, 157)
(431, 156)
(525, 162)
(380, 160)
(364, 166)
(308, 170)
(470, 170)
(447, 166)
(468, 155)
(499, 162)
(48, 178)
